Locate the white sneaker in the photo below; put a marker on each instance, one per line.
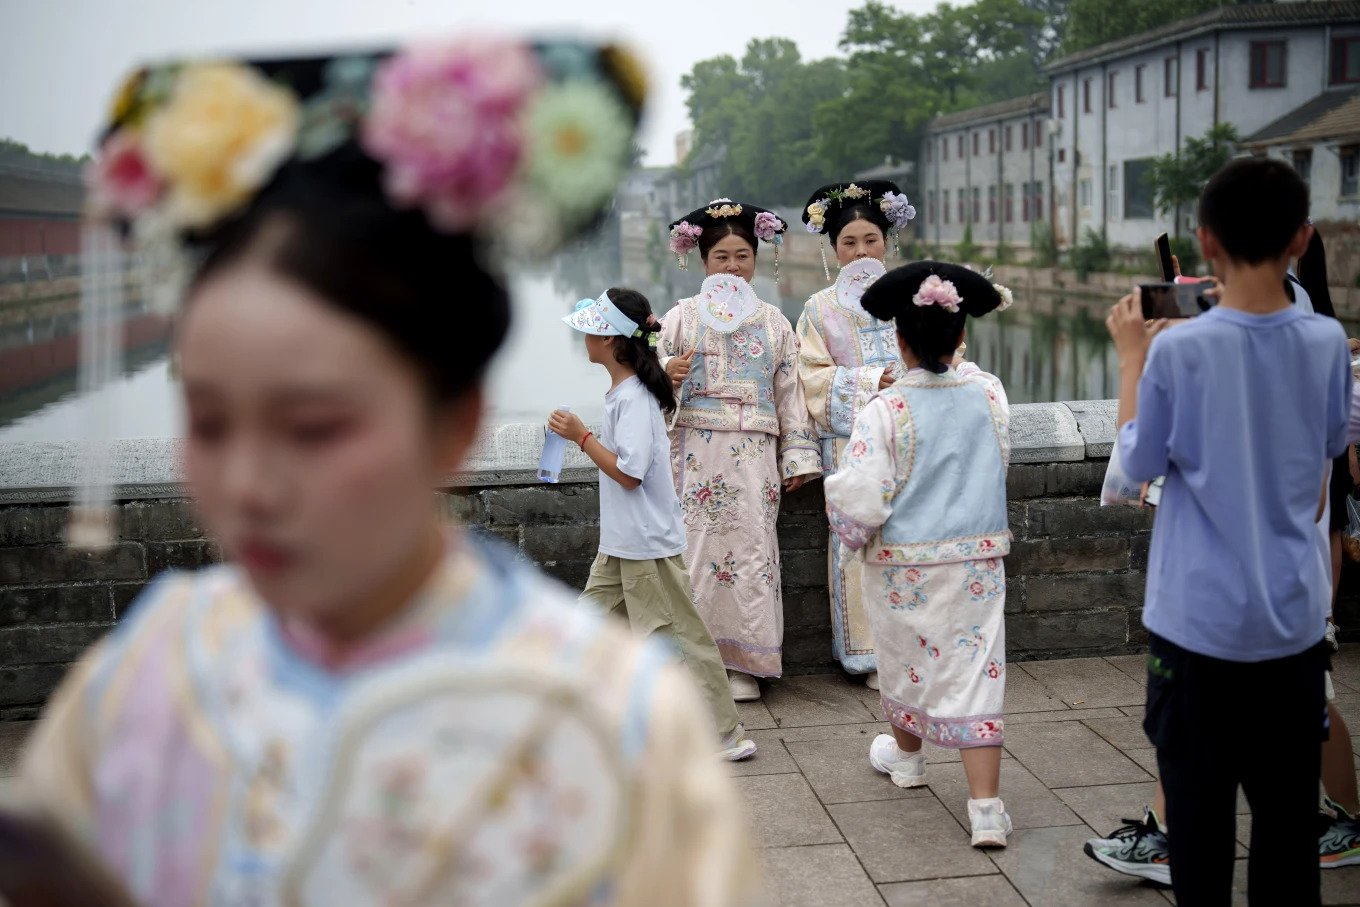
(905, 769)
(872, 680)
(736, 746)
(991, 823)
(744, 687)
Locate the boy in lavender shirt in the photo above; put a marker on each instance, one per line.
(1241, 409)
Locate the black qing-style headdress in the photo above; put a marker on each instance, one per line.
(951, 287)
(517, 145)
(883, 203)
(764, 225)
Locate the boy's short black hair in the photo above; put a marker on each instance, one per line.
(1254, 206)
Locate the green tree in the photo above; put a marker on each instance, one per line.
(1176, 180)
(1092, 22)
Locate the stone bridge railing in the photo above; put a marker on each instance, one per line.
(1076, 571)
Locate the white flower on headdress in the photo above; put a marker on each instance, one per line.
(579, 139)
(1007, 300)
(721, 207)
(855, 192)
(221, 136)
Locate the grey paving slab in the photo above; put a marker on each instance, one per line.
(1030, 804)
(755, 716)
(1025, 694)
(839, 772)
(1125, 733)
(784, 812)
(1048, 867)
(1133, 665)
(1087, 682)
(1348, 704)
(1134, 711)
(1105, 807)
(818, 699)
(770, 759)
(826, 875)
(1097, 420)
(1077, 714)
(867, 730)
(1146, 757)
(1346, 667)
(1341, 886)
(974, 891)
(906, 840)
(12, 737)
(1045, 433)
(1070, 754)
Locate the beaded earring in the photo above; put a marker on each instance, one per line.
(825, 268)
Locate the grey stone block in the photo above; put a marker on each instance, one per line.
(551, 505)
(1139, 548)
(29, 684)
(1060, 555)
(803, 532)
(1071, 517)
(809, 607)
(1084, 478)
(57, 644)
(464, 506)
(21, 605)
(547, 544)
(1016, 517)
(1038, 634)
(803, 569)
(572, 574)
(1096, 421)
(807, 650)
(162, 556)
(57, 564)
(1044, 433)
(808, 499)
(1078, 592)
(159, 521)
(1024, 480)
(125, 597)
(33, 525)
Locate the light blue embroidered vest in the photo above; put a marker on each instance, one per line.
(954, 510)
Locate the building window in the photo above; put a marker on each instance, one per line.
(963, 206)
(977, 204)
(1024, 202)
(1267, 64)
(1009, 201)
(991, 141)
(1110, 92)
(960, 146)
(1024, 136)
(1037, 206)
(1350, 170)
(1138, 200)
(1171, 74)
(1086, 96)
(1138, 96)
(930, 151)
(1302, 159)
(1062, 102)
(945, 207)
(1112, 193)
(930, 207)
(1008, 138)
(1062, 155)
(1202, 69)
(991, 204)
(1346, 60)
(1084, 193)
(944, 148)
(1038, 135)
(976, 143)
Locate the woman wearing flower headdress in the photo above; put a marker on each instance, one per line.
(845, 357)
(741, 435)
(368, 706)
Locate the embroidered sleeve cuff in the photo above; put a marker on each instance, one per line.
(852, 533)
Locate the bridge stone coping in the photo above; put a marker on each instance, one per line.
(35, 472)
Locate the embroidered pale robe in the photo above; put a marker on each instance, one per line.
(741, 429)
(842, 355)
(497, 745)
(922, 490)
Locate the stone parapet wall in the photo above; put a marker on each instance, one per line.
(1075, 575)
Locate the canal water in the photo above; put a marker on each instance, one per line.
(1045, 348)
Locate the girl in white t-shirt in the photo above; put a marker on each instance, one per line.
(640, 571)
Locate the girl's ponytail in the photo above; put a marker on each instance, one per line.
(639, 353)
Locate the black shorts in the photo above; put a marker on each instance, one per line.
(1339, 490)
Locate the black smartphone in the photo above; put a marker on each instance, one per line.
(1173, 300)
(1163, 245)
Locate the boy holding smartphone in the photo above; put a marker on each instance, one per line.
(1241, 409)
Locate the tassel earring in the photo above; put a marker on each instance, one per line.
(776, 265)
(825, 268)
(682, 261)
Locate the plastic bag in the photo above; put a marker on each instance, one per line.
(1119, 488)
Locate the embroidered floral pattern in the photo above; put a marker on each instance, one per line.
(725, 573)
(912, 675)
(711, 503)
(769, 498)
(984, 579)
(767, 574)
(994, 669)
(906, 588)
(976, 730)
(946, 552)
(852, 533)
(973, 643)
(932, 650)
(749, 449)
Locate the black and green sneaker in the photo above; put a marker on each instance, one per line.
(1137, 849)
(1339, 840)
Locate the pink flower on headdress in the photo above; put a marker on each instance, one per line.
(121, 179)
(935, 291)
(447, 123)
(768, 226)
(684, 237)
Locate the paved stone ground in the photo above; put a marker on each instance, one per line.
(835, 833)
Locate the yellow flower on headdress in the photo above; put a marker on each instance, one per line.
(223, 132)
(855, 192)
(125, 101)
(628, 70)
(724, 211)
(579, 139)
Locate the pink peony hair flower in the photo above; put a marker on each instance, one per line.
(121, 180)
(447, 123)
(768, 226)
(935, 291)
(685, 237)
